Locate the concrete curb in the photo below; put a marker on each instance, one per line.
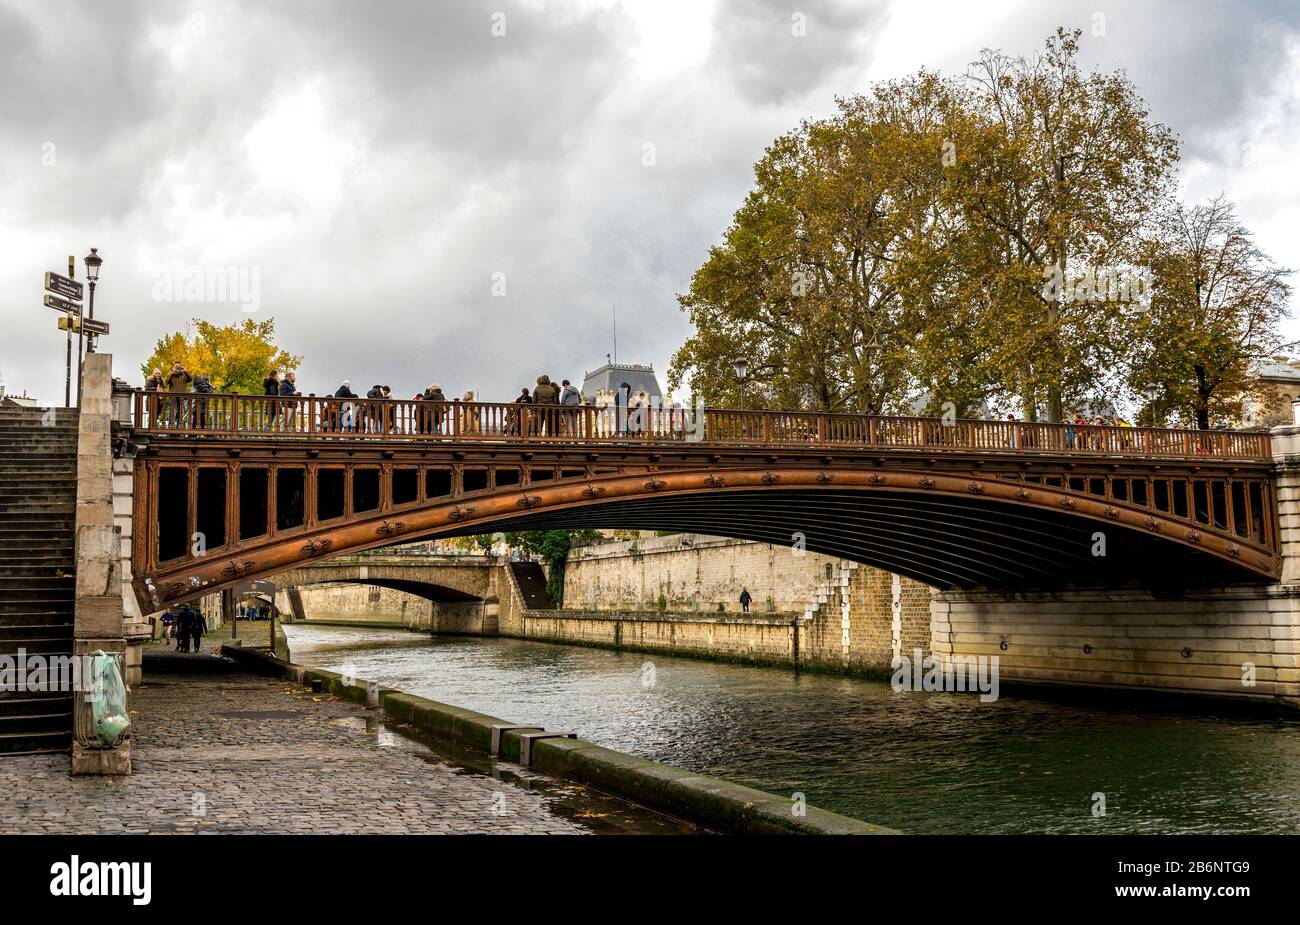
(707, 801)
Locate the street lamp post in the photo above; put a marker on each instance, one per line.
(1153, 393)
(93, 260)
(742, 371)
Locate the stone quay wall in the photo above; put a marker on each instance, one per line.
(679, 595)
(359, 604)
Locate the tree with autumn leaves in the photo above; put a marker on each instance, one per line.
(913, 245)
(236, 357)
(1217, 303)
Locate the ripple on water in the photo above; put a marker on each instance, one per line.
(915, 761)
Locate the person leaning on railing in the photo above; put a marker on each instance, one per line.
(155, 384)
(289, 390)
(271, 387)
(471, 421)
(203, 388)
(177, 383)
(433, 413)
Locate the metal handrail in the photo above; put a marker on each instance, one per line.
(261, 416)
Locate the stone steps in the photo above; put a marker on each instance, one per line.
(38, 493)
(33, 567)
(27, 743)
(50, 617)
(55, 641)
(532, 585)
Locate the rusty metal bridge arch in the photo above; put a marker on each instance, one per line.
(271, 483)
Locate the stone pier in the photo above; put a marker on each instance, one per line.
(98, 610)
(1241, 642)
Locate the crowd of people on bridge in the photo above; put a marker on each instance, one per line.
(188, 401)
(546, 408)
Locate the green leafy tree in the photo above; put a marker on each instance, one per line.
(902, 247)
(1067, 170)
(236, 357)
(1217, 305)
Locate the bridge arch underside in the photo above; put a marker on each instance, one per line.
(948, 542)
(951, 531)
(439, 594)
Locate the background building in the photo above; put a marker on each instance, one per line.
(611, 378)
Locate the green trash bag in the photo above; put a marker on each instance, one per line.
(108, 698)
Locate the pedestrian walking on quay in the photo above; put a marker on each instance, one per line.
(199, 627)
(184, 623)
(745, 600)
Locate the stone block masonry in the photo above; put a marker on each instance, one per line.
(99, 613)
(1241, 642)
(808, 609)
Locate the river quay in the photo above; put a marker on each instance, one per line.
(219, 749)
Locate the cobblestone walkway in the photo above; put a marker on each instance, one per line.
(233, 752)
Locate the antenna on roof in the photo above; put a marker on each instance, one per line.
(615, 307)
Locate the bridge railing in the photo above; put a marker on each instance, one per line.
(197, 414)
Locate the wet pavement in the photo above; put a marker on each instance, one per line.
(216, 749)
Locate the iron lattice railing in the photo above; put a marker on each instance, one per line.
(403, 419)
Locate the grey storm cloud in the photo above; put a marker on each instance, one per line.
(773, 50)
(381, 164)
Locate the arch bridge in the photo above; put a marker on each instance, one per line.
(228, 488)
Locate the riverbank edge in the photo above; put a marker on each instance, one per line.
(708, 801)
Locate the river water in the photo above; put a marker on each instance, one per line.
(919, 762)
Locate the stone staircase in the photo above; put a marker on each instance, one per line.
(840, 578)
(531, 581)
(38, 499)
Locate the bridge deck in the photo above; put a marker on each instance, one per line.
(263, 417)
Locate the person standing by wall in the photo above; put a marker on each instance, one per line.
(745, 599)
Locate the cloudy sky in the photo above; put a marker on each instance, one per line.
(421, 197)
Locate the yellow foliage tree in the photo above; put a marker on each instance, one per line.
(236, 357)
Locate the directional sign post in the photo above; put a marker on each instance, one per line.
(60, 304)
(64, 295)
(63, 286)
(75, 324)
